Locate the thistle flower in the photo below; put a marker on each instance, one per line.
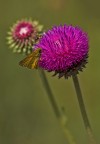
(23, 34)
(64, 50)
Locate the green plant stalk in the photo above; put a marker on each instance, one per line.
(58, 112)
(83, 110)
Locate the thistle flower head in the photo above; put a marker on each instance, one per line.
(64, 50)
(23, 34)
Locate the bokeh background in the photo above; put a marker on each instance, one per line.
(26, 115)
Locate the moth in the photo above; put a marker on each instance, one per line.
(31, 61)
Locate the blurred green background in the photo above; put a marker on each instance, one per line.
(26, 115)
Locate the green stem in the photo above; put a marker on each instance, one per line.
(58, 112)
(83, 110)
(52, 99)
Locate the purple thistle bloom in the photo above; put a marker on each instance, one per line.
(64, 50)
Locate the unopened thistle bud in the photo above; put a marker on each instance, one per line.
(23, 35)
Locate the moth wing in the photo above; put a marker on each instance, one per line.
(35, 63)
(29, 61)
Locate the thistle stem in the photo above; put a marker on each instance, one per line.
(58, 112)
(52, 99)
(83, 110)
